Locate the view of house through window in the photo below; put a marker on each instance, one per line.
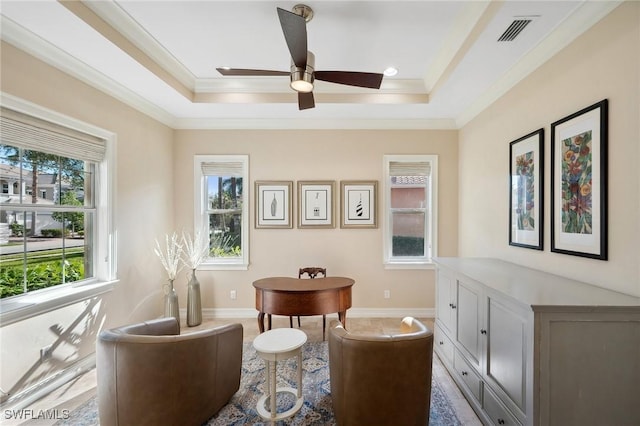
(410, 204)
(45, 221)
(408, 212)
(49, 225)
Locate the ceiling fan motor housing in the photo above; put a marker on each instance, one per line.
(302, 78)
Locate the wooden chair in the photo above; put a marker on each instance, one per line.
(312, 272)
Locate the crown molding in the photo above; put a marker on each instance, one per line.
(41, 49)
(313, 124)
(122, 22)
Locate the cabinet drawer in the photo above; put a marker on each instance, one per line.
(444, 346)
(498, 413)
(467, 374)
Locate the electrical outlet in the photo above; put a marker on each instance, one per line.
(45, 353)
(233, 295)
(387, 294)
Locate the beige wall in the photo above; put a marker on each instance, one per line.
(473, 192)
(144, 211)
(602, 63)
(319, 155)
(147, 197)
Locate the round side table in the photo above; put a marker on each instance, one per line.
(273, 346)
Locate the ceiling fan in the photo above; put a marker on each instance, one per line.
(303, 73)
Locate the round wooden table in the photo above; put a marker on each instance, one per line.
(302, 297)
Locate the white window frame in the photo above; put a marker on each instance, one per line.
(201, 219)
(431, 216)
(21, 307)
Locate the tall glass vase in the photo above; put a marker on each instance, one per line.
(171, 308)
(194, 305)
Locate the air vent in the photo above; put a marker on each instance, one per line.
(514, 29)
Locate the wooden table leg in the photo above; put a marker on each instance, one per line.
(261, 322)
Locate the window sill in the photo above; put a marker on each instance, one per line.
(223, 267)
(409, 265)
(31, 305)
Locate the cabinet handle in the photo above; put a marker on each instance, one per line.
(500, 421)
(441, 342)
(453, 306)
(464, 373)
(483, 331)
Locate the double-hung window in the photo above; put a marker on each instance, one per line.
(410, 222)
(221, 210)
(55, 216)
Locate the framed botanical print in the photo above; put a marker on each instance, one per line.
(315, 204)
(274, 204)
(526, 194)
(359, 204)
(579, 183)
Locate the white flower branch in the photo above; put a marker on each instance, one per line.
(171, 257)
(196, 249)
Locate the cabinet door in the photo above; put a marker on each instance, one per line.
(443, 346)
(446, 300)
(469, 322)
(506, 350)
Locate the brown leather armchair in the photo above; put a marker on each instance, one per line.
(149, 374)
(381, 379)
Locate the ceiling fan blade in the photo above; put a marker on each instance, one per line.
(243, 71)
(351, 78)
(305, 100)
(294, 28)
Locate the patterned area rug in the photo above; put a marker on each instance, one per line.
(316, 411)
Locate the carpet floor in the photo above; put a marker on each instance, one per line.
(316, 411)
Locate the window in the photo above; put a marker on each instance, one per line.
(409, 226)
(221, 185)
(56, 207)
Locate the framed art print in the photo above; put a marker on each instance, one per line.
(526, 194)
(315, 204)
(579, 183)
(359, 201)
(273, 204)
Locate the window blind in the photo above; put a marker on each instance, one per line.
(223, 168)
(28, 132)
(402, 168)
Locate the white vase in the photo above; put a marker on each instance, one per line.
(194, 304)
(171, 307)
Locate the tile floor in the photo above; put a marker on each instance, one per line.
(79, 390)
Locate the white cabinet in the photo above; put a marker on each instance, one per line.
(471, 329)
(524, 345)
(445, 301)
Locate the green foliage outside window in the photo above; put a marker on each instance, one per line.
(43, 271)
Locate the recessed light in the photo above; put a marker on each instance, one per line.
(390, 72)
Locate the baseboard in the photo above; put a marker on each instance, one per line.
(216, 313)
(28, 396)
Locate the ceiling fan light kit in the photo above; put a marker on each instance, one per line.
(302, 73)
(302, 79)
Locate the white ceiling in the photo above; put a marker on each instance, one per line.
(161, 56)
